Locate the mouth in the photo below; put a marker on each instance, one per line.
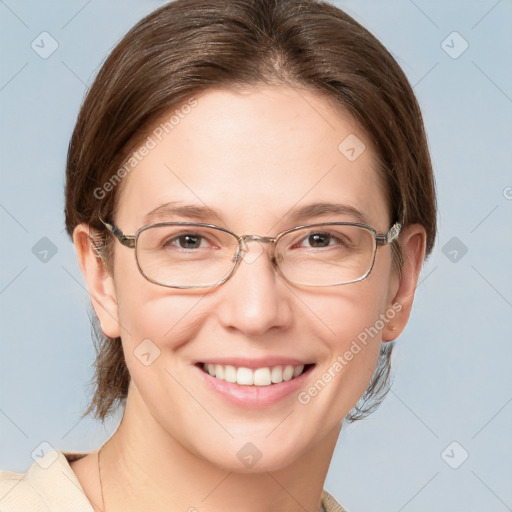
(263, 376)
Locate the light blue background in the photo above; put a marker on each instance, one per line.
(453, 364)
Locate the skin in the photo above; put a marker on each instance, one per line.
(252, 156)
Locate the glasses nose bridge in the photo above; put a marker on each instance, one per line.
(243, 239)
(257, 238)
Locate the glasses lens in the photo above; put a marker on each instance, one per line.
(326, 255)
(185, 255)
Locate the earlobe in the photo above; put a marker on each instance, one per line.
(413, 244)
(100, 283)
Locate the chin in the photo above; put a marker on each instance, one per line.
(254, 454)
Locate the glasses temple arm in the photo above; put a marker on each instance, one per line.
(126, 240)
(390, 236)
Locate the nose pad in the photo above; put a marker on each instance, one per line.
(251, 253)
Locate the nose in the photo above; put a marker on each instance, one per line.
(255, 300)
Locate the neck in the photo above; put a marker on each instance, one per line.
(143, 467)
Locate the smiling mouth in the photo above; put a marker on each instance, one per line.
(264, 376)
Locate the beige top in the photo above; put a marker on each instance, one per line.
(50, 485)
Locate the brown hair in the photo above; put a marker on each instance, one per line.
(188, 46)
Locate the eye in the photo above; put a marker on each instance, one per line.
(320, 239)
(187, 241)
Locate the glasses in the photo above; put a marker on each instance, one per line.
(197, 255)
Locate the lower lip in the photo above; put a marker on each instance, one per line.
(254, 396)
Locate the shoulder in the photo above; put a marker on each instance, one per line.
(330, 504)
(49, 484)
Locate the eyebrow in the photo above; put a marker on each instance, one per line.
(204, 213)
(321, 209)
(174, 208)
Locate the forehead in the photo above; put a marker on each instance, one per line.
(251, 156)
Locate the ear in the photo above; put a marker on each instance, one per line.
(413, 243)
(99, 282)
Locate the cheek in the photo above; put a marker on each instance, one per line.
(157, 327)
(352, 324)
(351, 314)
(146, 311)
(164, 317)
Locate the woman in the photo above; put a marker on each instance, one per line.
(250, 194)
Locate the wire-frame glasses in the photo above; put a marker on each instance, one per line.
(199, 255)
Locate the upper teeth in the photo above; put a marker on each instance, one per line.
(258, 377)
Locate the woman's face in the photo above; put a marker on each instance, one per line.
(252, 162)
